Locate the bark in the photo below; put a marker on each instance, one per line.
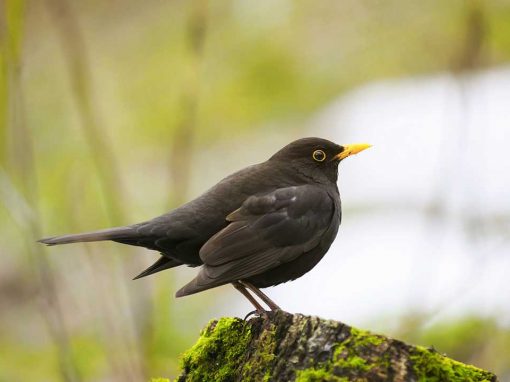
(286, 347)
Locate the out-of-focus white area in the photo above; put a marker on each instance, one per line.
(426, 211)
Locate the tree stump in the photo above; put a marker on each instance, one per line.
(286, 347)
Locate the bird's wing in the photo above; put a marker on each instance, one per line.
(266, 231)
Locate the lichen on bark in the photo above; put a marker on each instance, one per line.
(286, 347)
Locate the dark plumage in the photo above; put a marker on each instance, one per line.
(266, 224)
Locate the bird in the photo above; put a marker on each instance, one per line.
(261, 226)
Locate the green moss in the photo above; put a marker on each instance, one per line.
(318, 375)
(348, 358)
(221, 350)
(365, 338)
(259, 366)
(431, 366)
(160, 380)
(218, 352)
(348, 353)
(353, 363)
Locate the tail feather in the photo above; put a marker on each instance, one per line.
(160, 265)
(101, 235)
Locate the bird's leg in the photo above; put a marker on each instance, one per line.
(241, 288)
(272, 305)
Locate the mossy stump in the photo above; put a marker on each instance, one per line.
(286, 347)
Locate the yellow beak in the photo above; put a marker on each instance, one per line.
(352, 149)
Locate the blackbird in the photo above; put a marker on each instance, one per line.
(264, 225)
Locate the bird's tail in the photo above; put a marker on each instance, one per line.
(101, 235)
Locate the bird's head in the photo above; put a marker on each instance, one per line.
(317, 157)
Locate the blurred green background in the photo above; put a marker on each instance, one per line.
(113, 112)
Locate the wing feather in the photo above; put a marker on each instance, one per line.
(266, 231)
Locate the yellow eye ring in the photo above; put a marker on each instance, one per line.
(319, 156)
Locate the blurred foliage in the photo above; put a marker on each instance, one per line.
(94, 99)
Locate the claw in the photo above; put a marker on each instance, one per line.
(259, 313)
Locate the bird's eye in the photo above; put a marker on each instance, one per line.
(319, 156)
